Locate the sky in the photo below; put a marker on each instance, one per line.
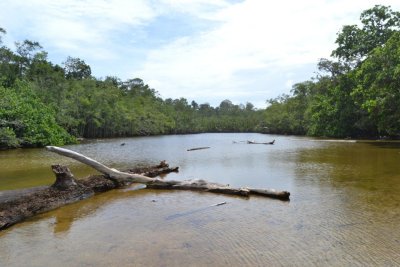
(202, 50)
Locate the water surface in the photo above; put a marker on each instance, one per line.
(344, 208)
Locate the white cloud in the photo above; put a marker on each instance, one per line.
(254, 36)
(80, 28)
(248, 51)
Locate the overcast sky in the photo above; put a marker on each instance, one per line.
(203, 50)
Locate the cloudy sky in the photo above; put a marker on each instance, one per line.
(203, 50)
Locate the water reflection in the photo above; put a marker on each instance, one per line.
(65, 217)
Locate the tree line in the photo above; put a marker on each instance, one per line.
(44, 103)
(357, 93)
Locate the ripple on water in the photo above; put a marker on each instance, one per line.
(344, 208)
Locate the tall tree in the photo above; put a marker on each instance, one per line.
(378, 86)
(76, 68)
(26, 52)
(2, 31)
(378, 25)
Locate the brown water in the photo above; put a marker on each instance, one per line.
(344, 208)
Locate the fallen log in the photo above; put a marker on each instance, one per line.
(198, 148)
(124, 178)
(162, 168)
(38, 200)
(202, 185)
(19, 205)
(112, 174)
(266, 143)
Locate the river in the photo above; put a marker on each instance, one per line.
(344, 208)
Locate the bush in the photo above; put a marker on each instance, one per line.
(26, 121)
(8, 139)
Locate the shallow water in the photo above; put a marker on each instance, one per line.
(344, 208)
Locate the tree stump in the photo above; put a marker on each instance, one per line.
(64, 177)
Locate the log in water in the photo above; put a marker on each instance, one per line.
(17, 206)
(198, 148)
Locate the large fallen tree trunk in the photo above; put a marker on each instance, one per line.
(18, 205)
(196, 185)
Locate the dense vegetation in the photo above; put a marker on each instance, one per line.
(42, 103)
(357, 94)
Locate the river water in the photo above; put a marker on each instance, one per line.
(344, 208)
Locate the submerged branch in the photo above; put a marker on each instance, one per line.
(198, 148)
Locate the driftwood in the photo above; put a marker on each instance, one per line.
(18, 205)
(266, 143)
(64, 177)
(154, 171)
(198, 148)
(195, 185)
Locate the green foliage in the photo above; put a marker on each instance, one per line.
(356, 96)
(227, 117)
(24, 116)
(285, 115)
(378, 25)
(2, 31)
(9, 68)
(76, 68)
(378, 92)
(8, 139)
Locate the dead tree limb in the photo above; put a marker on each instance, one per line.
(195, 185)
(19, 205)
(122, 177)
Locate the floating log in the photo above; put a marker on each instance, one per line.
(19, 205)
(198, 148)
(266, 143)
